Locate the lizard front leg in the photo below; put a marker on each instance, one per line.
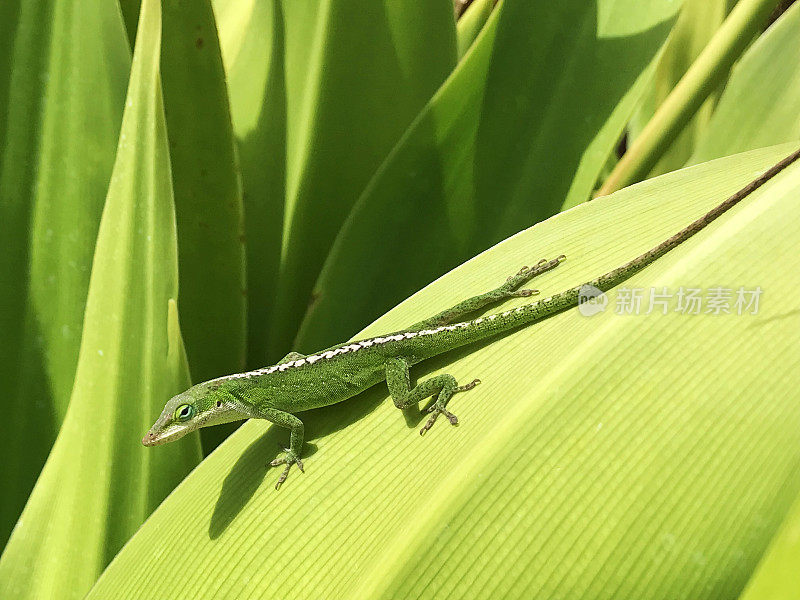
(292, 453)
(443, 386)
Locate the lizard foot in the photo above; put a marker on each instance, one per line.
(289, 459)
(509, 288)
(436, 411)
(439, 407)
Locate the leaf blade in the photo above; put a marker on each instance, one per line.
(208, 196)
(761, 98)
(99, 483)
(697, 23)
(530, 435)
(470, 171)
(58, 143)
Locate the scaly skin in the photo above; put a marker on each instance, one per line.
(299, 383)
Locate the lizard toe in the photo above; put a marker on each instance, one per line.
(289, 459)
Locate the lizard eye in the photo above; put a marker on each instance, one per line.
(184, 412)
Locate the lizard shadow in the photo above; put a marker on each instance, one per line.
(247, 476)
(252, 466)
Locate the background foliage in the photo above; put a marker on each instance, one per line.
(281, 173)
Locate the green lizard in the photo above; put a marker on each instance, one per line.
(300, 383)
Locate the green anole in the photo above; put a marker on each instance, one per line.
(299, 383)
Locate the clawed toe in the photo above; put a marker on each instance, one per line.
(435, 412)
(289, 459)
(524, 293)
(526, 273)
(467, 387)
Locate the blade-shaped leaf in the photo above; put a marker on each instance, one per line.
(57, 141)
(208, 200)
(617, 456)
(761, 103)
(373, 66)
(251, 36)
(99, 482)
(471, 22)
(509, 140)
(320, 92)
(697, 23)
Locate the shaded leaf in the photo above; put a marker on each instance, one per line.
(371, 70)
(343, 81)
(761, 103)
(99, 482)
(508, 141)
(603, 457)
(58, 140)
(130, 14)
(208, 201)
(251, 37)
(776, 576)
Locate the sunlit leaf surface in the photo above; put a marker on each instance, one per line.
(612, 456)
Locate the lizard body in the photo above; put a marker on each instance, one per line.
(299, 383)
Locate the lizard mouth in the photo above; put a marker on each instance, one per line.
(152, 438)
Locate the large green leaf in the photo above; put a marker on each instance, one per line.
(508, 141)
(58, 137)
(605, 457)
(99, 482)
(251, 36)
(208, 201)
(320, 92)
(761, 103)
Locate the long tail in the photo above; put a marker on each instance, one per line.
(494, 324)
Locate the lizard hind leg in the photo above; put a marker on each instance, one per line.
(509, 289)
(442, 386)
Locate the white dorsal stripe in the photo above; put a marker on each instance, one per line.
(364, 344)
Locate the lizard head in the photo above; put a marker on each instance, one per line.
(201, 405)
